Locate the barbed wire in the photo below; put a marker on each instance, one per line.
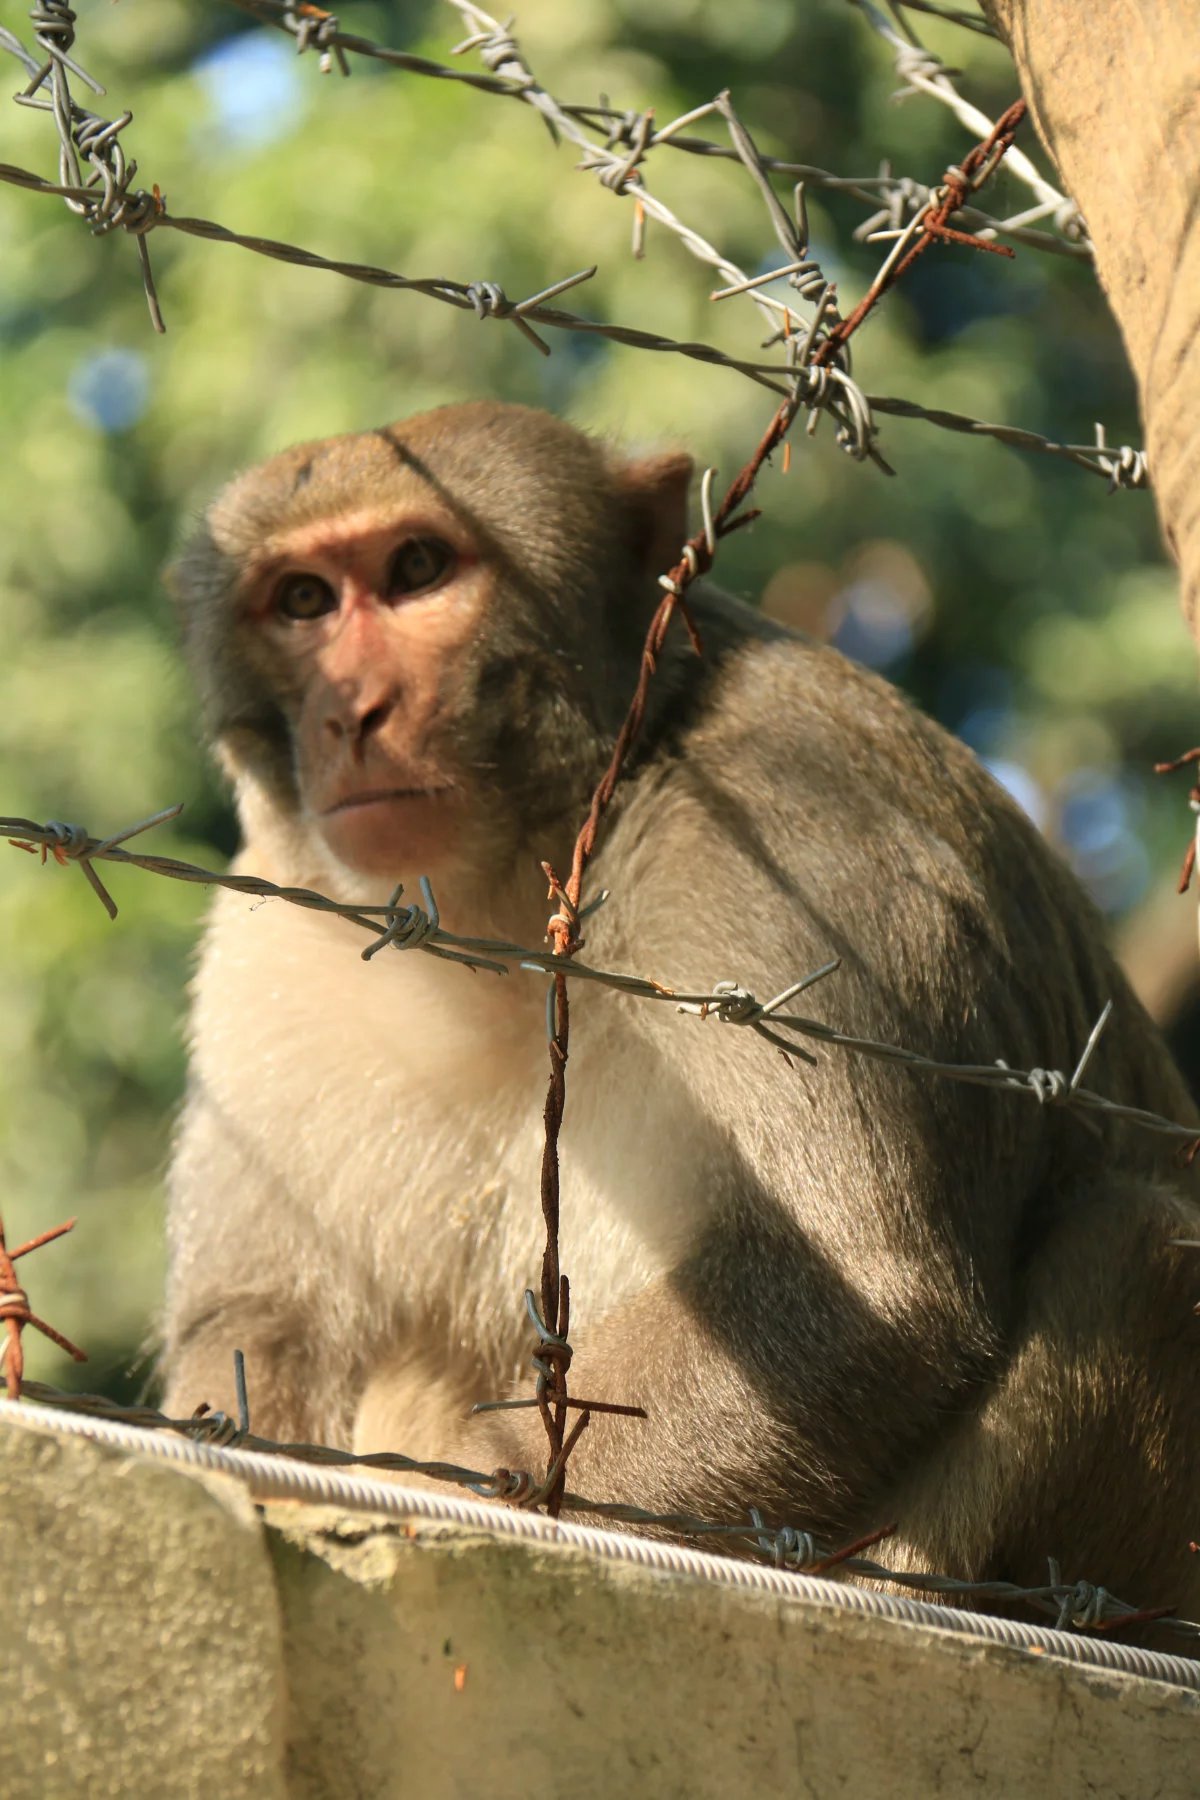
(949, 15)
(1123, 467)
(1078, 1605)
(906, 204)
(813, 376)
(104, 201)
(486, 299)
(929, 225)
(896, 198)
(1188, 760)
(107, 203)
(924, 73)
(619, 126)
(16, 1314)
(392, 923)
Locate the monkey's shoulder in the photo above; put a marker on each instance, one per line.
(806, 810)
(802, 735)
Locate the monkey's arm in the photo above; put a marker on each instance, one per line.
(236, 1282)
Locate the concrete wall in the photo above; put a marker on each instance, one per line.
(162, 1636)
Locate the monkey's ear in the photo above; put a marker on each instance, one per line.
(657, 490)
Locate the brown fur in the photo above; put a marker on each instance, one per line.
(845, 1293)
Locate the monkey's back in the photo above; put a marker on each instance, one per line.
(800, 811)
(1004, 1270)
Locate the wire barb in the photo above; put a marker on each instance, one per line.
(16, 1314)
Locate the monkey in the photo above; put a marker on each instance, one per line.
(846, 1293)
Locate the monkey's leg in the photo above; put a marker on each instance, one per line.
(1088, 1450)
(409, 1407)
(294, 1395)
(794, 1412)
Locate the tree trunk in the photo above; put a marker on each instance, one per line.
(1114, 89)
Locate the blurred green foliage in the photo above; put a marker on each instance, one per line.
(1010, 595)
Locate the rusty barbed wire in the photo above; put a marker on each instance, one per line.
(618, 126)
(563, 925)
(1078, 1605)
(16, 1314)
(412, 928)
(628, 139)
(821, 357)
(1189, 759)
(927, 226)
(895, 198)
(924, 73)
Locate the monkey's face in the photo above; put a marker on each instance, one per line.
(366, 621)
(416, 643)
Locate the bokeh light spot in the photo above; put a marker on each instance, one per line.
(110, 389)
(253, 86)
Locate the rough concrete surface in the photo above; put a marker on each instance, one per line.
(439, 1661)
(140, 1642)
(162, 1636)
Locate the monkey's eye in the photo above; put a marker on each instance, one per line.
(304, 597)
(418, 564)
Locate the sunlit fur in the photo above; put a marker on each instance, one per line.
(846, 1294)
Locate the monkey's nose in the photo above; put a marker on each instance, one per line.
(358, 720)
(374, 719)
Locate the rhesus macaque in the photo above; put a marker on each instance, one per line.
(846, 1294)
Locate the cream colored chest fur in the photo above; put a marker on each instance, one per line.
(377, 1127)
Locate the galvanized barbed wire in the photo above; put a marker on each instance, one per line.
(923, 72)
(104, 200)
(821, 384)
(465, 296)
(1123, 468)
(616, 125)
(617, 164)
(620, 172)
(728, 1001)
(141, 212)
(949, 15)
(1078, 1605)
(16, 1313)
(503, 53)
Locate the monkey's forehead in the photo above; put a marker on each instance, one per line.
(483, 457)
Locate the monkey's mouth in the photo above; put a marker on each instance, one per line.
(374, 796)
